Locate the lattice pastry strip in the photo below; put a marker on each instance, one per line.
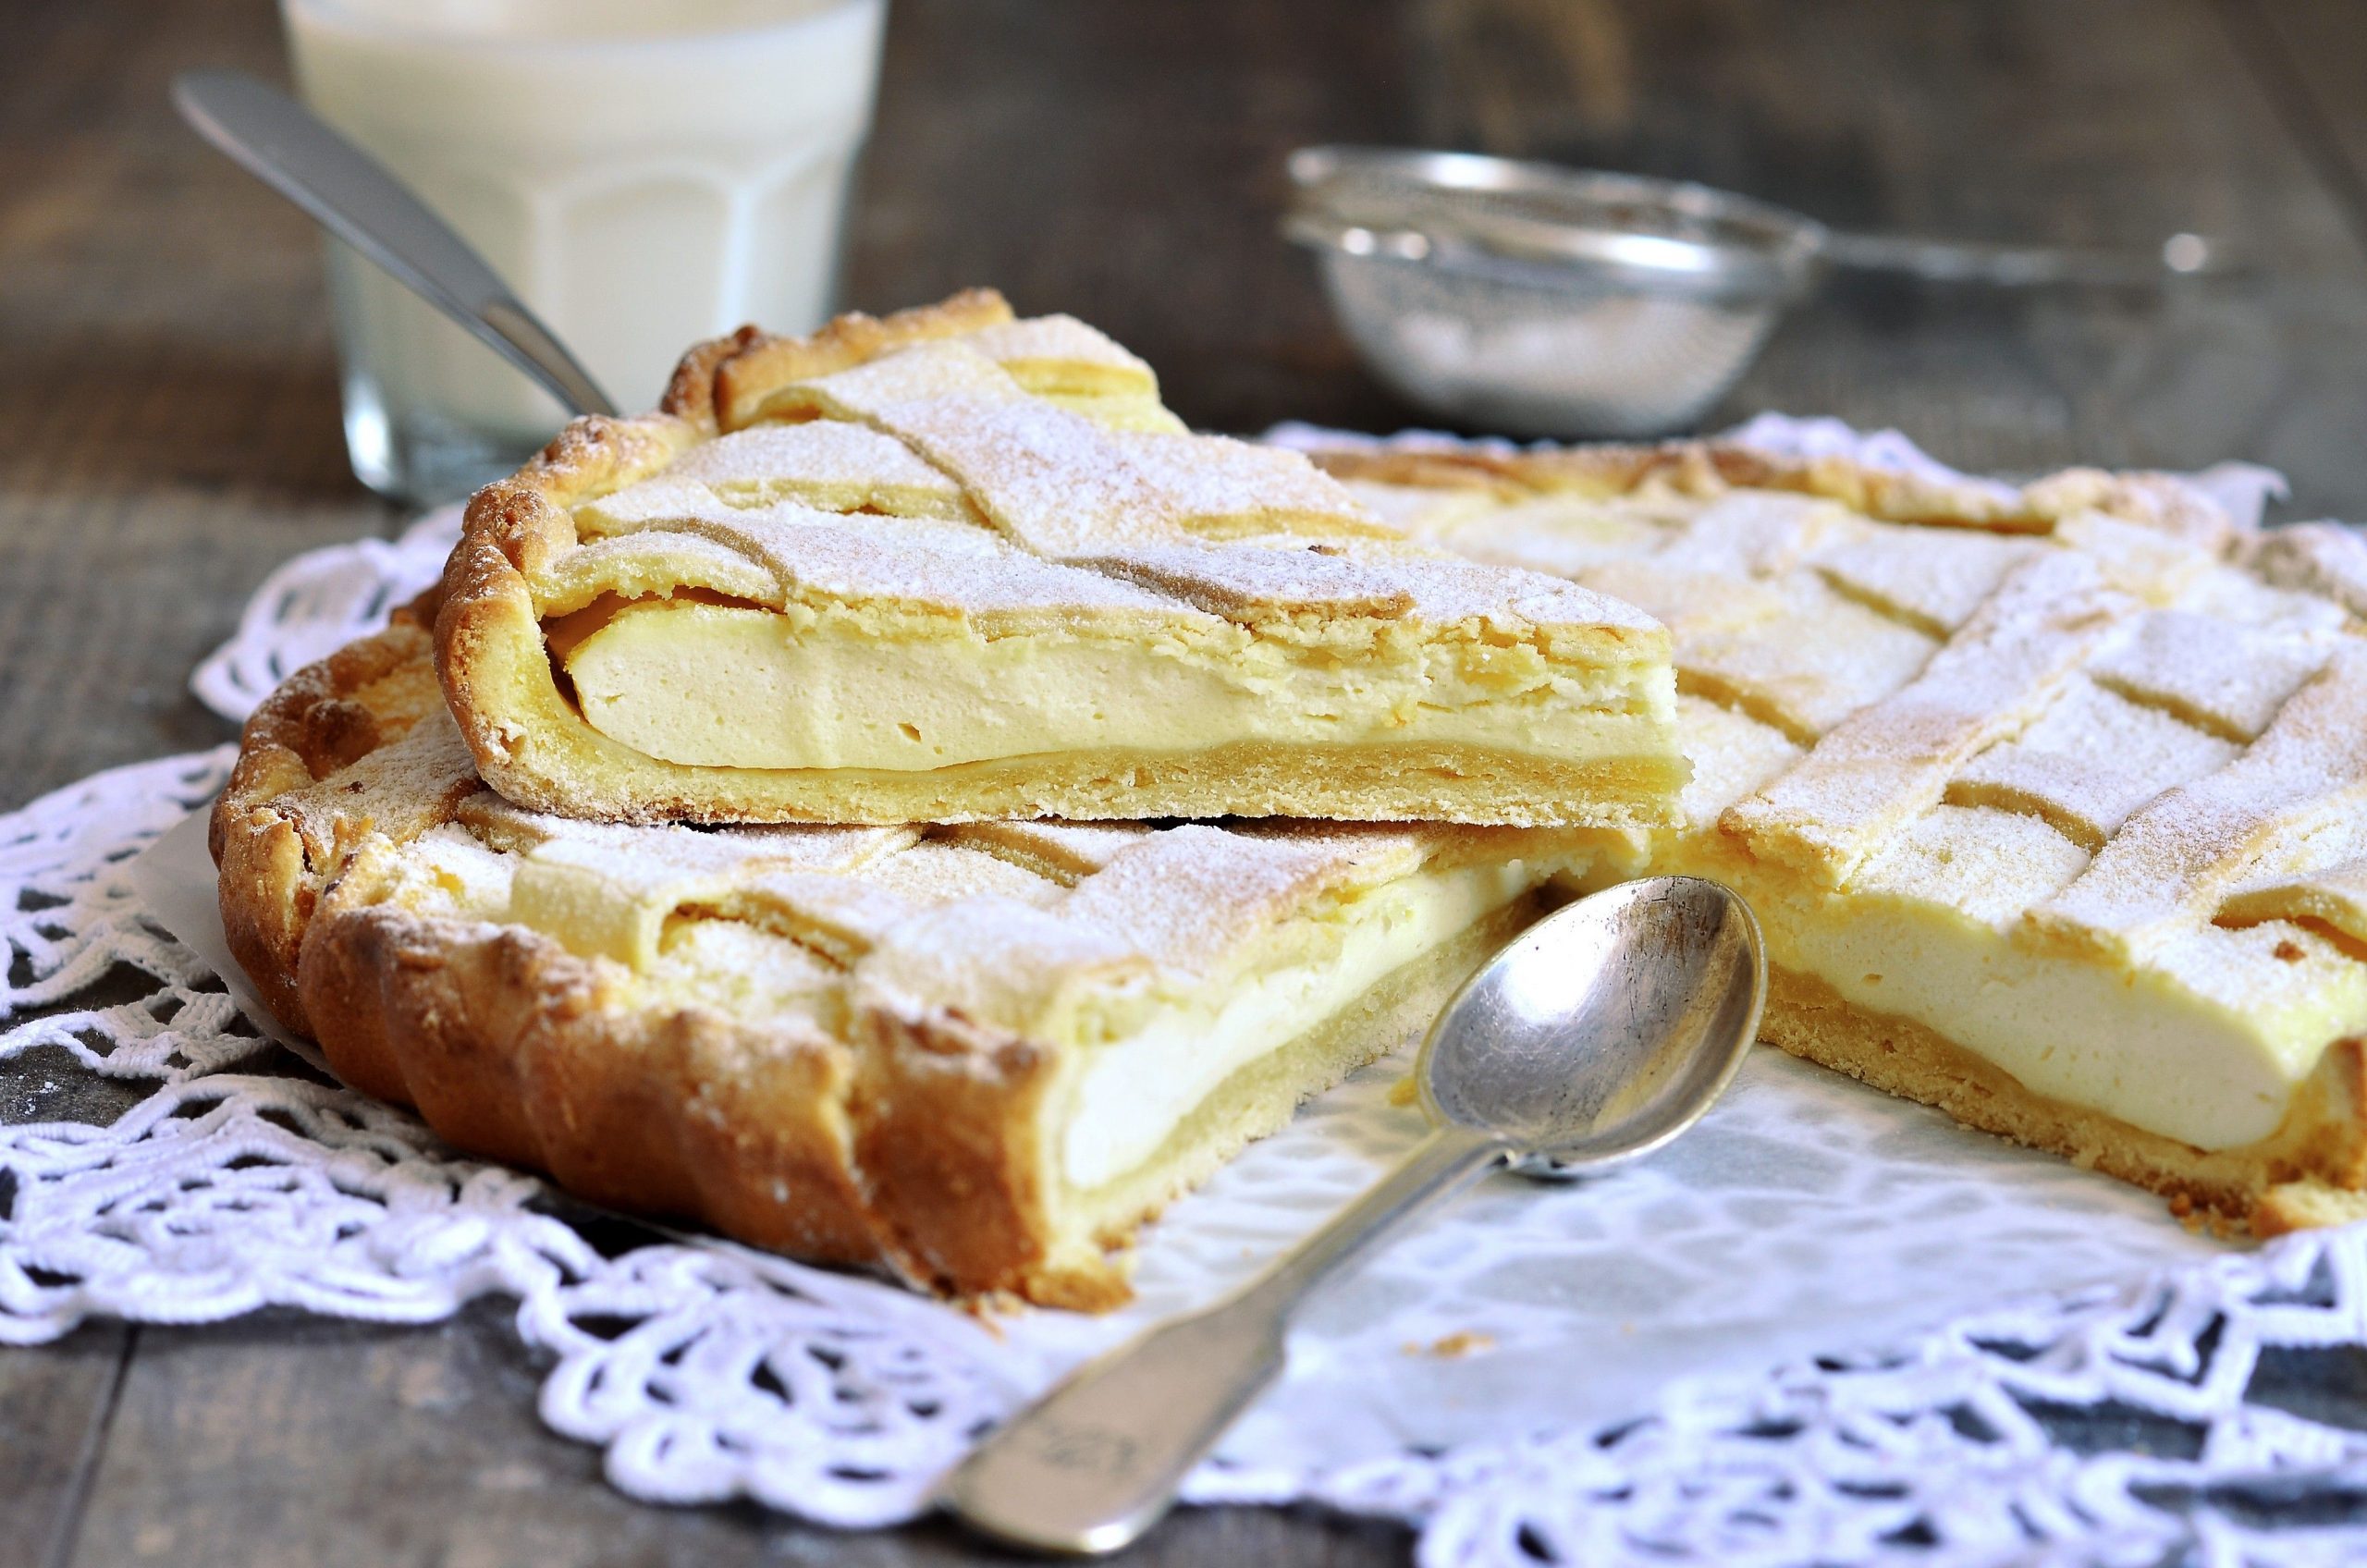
(833, 465)
(1218, 488)
(2228, 679)
(2169, 865)
(1755, 533)
(701, 551)
(1250, 587)
(2334, 897)
(617, 897)
(1563, 535)
(1814, 659)
(1063, 852)
(1061, 355)
(1932, 582)
(2323, 559)
(2091, 763)
(950, 569)
(1893, 759)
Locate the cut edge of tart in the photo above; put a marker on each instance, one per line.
(980, 1055)
(950, 566)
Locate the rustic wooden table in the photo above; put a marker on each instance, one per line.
(168, 431)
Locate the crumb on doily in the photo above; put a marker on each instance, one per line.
(1448, 1347)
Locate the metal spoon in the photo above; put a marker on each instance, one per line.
(1597, 1034)
(351, 195)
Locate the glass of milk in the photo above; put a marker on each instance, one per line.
(643, 174)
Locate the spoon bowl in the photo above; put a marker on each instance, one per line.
(1605, 1029)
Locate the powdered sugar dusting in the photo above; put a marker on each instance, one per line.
(950, 567)
(514, 830)
(835, 464)
(936, 872)
(2090, 762)
(2318, 557)
(401, 789)
(1892, 760)
(1254, 584)
(942, 430)
(2230, 680)
(1062, 344)
(944, 370)
(1120, 897)
(647, 862)
(1062, 850)
(1190, 895)
(1218, 486)
(1934, 579)
(1048, 478)
(2169, 865)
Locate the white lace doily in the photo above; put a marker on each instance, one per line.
(1828, 1327)
(315, 604)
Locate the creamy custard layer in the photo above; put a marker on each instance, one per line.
(1141, 1086)
(712, 685)
(2190, 1046)
(1150, 1056)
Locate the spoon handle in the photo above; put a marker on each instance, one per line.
(1095, 1461)
(350, 194)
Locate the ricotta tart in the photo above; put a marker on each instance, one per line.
(978, 1054)
(2052, 801)
(950, 566)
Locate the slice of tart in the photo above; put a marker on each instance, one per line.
(978, 1054)
(950, 566)
(2052, 801)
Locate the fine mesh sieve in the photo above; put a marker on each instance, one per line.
(1542, 300)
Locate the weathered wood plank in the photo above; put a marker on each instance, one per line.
(1124, 162)
(55, 1402)
(2085, 121)
(165, 386)
(2312, 57)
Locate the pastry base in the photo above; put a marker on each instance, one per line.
(1376, 783)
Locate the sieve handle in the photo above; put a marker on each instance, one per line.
(2015, 266)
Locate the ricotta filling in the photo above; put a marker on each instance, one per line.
(721, 686)
(2141, 1045)
(2133, 1046)
(1141, 1087)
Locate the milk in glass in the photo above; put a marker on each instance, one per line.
(643, 174)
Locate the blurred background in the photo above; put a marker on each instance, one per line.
(168, 396)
